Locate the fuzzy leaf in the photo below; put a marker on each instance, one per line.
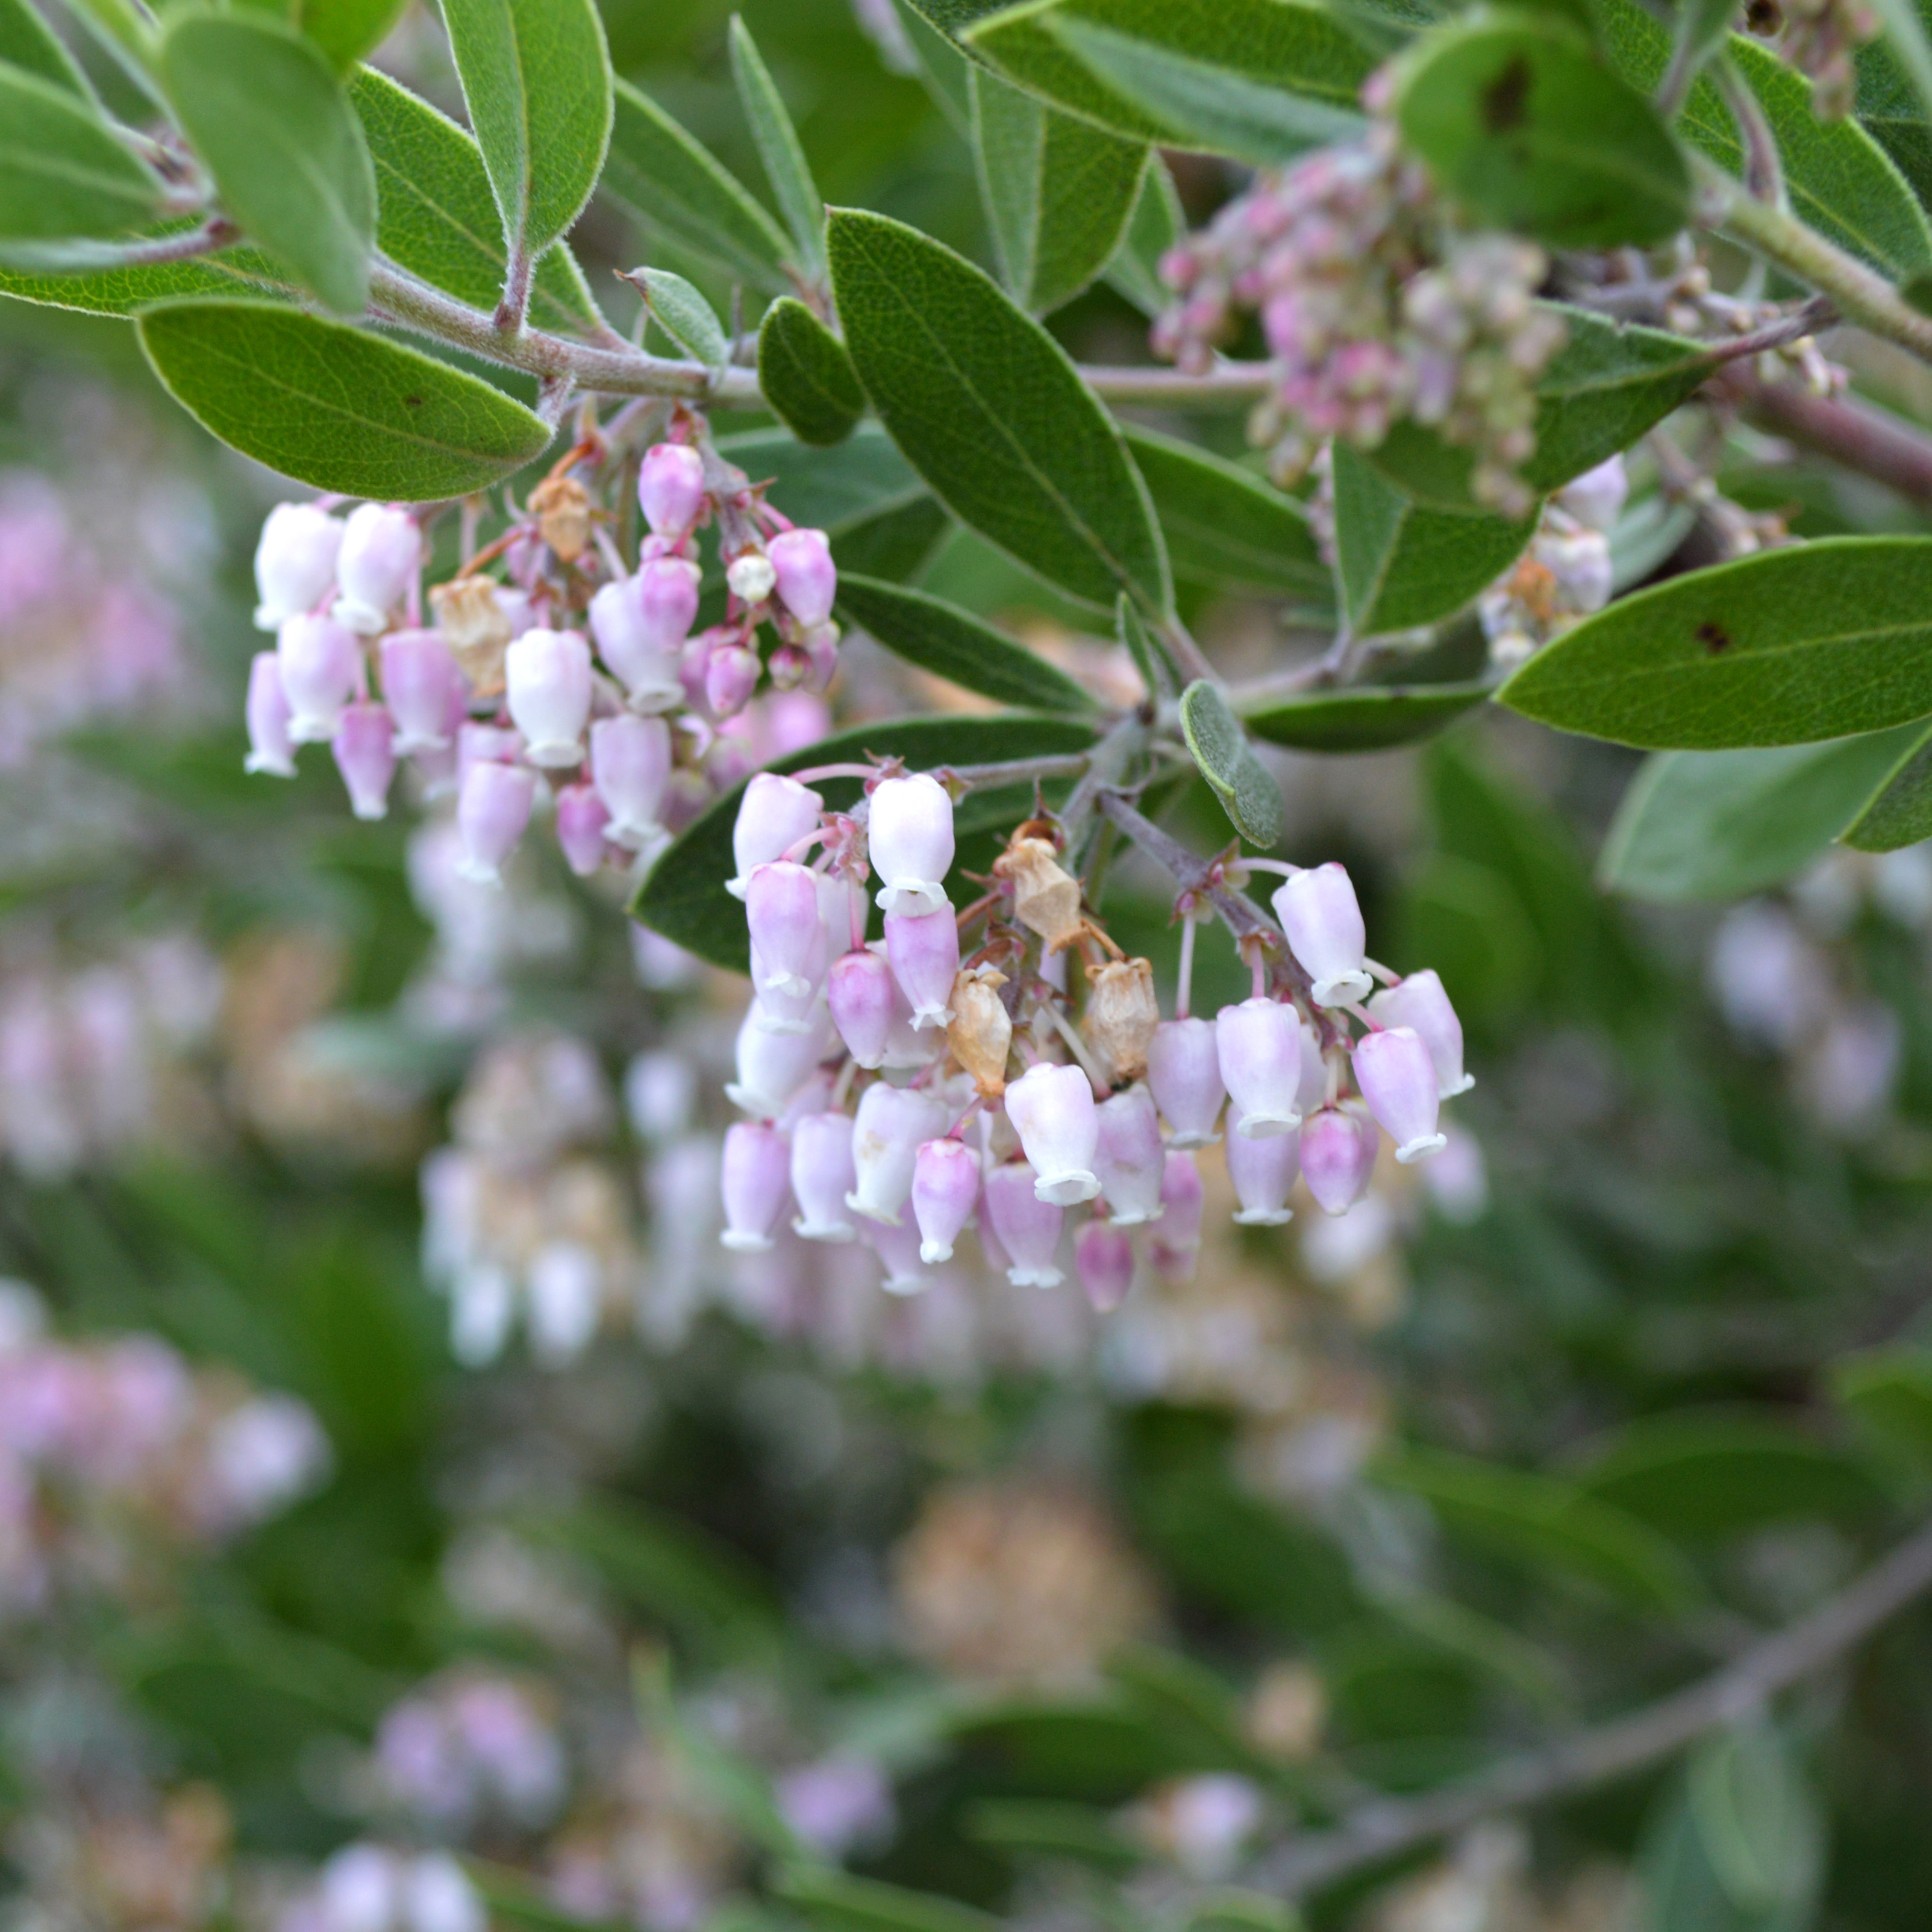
(1149, 654)
(777, 140)
(347, 30)
(986, 406)
(1157, 222)
(1899, 813)
(682, 312)
(62, 172)
(808, 379)
(29, 44)
(1248, 792)
(335, 406)
(240, 273)
(1364, 717)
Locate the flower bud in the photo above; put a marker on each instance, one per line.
(981, 1031)
(858, 989)
(365, 756)
(562, 507)
(670, 489)
(772, 1067)
(754, 1178)
(1339, 1146)
(581, 822)
(1398, 1080)
(1258, 1043)
(630, 765)
(1121, 1015)
(1129, 1156)
(731, 673)
(1319, 914)
(821, 647)
(909, 838)
(1103, 1259)
(806, 579)
(548, 674)
(896, 1244)
(318, 661)
(1264, 1172)
(640, 625)
(1184, 1072)
(891, 1123)
(1052, 1110)
(781, 908)
(1027, 1223)
(419, 677)
(471, 616)
(1046, 897)
(381, 553)
(750, 577)
(822, 1175)
(271, 749)
(775, 814)
(295, 562)
(1419, 1001)
(922, 949)
(1176, 1234)
(945, 1191)
(493, 806)
(1596, 498)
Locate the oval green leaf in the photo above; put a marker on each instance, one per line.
(1248, 792)
(1888, 1392)
(987, 407)
(346, 30)
(1367, 718)
(684, 316)
(62, 172)
(29, 44)
(778, 145)
(1899, 813)
(268, 118)
(243, 273)
(806, 376)
(1157, 222)
(335, 407)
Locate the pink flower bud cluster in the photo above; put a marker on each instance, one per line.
(473, 1748)
(576, 688)
(1821, 39)
(1564, 576)
(1376, 310)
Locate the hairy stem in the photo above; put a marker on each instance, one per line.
(1384, 1827)
(1018, 771)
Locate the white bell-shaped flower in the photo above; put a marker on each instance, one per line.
(381, 553)
(295, 562)
(754, 1179)
(774, 815)
(1398, 1080)
(1027, 1225)
(1259, 1044)
(891, 1124)
(822, 1175)
(1264, 1172)
(1052, 1110)
(1420, 1001)
(1184, 1071)
(1129, 1156)
(909, 833)
(548, 677)
(1318, 912)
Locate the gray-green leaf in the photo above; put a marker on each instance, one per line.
(335, 406)
(268, 118)
(987, 407)
(1157, 222)
(1363, 717)
(28, 43)
(684, 316)
(346, 30)
(62, 172)
(806, 376)
(1899, 813)
(779, 149)
(1249, 795)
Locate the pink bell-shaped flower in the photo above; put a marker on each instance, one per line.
(731, 674)
(754, 1179)
(271, 749)
(807, 579)
(365, 755)
(1323, 923)
(909, 835)
(822, 1175)
(896, 1243)
(787, 1007)
(419, 679)
(860, 988)
(492, 809)
(1129, 1156)
(774, 815)
(581, 823)
(1176, 1234)
(1103, 1259)
(548, 677)
(1339, 1146)
(772, 1067)
(319, 661)
(1419, 1001)
(641, 640)
(295, 562)
(892, 1124)
(1259, 1044)
(670, 489)
(1264, 1172)
(1398, 1080)
(381, 553)
(781, 908)
(945, 1191)
(1052, 1110)
(922, 949)
(1027, 1223)
(630, 765)
(1184, 1072)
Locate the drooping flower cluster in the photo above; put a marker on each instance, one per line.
(945, 1130)
(1377, 309)
(577, 682)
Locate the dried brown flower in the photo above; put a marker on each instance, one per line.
(1046, 896)
(561, 506)
(981, 1031)
(1122, 1012)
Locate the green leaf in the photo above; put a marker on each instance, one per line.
(1225, 528)
(777, 139)
(829, 490)
(1248, 794)
(1702, 26)
(986, 406)
(435, 215)
(347, 30)
(665, 180)
(1401, 565)
(1256, 79)
(1906, 41)
(1057, 191)
(268, 118)
(684, 898)
(1521, 123)
(62, 172)
(1788, 646)
(536, 81)
(1717, 825)
(840, 1904)
(1759, 1825)
(1053, 1829)
(953, 644)
(894, 545)
(1157, 222)
(240, 272)
(1899, 813)
(684, 316)
(806, 377)
(1364, 717)
(1890, 109)
(942, 67)
(1888, 1392)
(1149, 654)
(29, 44)
(335, 407)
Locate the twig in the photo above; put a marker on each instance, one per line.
(1226, 382)
(1017, 771)
(1387, 1826)
(1853, 433)
(1764, 165)
(81, 256)
(1244, 919)
(1105, 764)
(514, 307)
(1806, 319)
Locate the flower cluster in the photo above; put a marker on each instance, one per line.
(927, 1035)
(1563, 575)
(1821, 39)
(1376, 310)
(504, 700)
(476, 1746)
(367, 1887)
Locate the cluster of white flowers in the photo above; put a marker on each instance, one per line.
(1565, 574)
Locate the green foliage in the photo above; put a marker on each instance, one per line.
(682, 312)
(1888, 1392)
(1249, 795)
(1363, 717)
(777, 139)
(62, 172)
(347, 30)
(1900, 812)
(29, 44)
(805, 375)
(335, 407)
(1157, 222)
(241, 273)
